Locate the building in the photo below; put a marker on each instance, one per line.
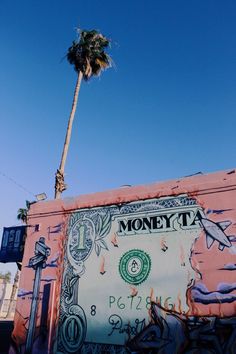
(5, 294)
(138, 267)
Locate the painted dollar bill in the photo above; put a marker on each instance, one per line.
(124, 258)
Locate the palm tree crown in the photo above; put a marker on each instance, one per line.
(88, 54)
(22, 212)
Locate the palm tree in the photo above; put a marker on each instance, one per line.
(22, 212)
(88, 56)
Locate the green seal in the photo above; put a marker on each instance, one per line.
(134, 266)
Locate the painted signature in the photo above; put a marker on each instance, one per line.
(117, 325)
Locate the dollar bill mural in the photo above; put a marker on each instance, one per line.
(151, 275)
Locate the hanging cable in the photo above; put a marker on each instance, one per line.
(16, 183)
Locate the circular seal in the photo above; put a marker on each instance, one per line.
(134, 266)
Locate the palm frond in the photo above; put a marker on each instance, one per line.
(22, 215)
(23, 212)
(88, 55)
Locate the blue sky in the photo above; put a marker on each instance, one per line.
(166, 109)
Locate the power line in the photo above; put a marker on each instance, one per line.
(16, 183)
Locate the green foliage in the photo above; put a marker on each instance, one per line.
(22, 215)
(87, 54)
(22, 212)
(6, 276)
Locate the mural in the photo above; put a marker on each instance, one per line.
(154, 275)
(137, 275)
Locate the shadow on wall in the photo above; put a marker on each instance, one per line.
(6, 328)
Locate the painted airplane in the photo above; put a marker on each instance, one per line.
(215, 232)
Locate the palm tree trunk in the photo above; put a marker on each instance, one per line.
(13, 293)
(60, 185)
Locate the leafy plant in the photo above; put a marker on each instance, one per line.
(22, 212)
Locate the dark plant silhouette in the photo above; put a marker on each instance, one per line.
(22, 212)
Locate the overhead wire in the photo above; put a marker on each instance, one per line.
(16, 183)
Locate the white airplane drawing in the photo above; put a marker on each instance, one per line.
(215, 232)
